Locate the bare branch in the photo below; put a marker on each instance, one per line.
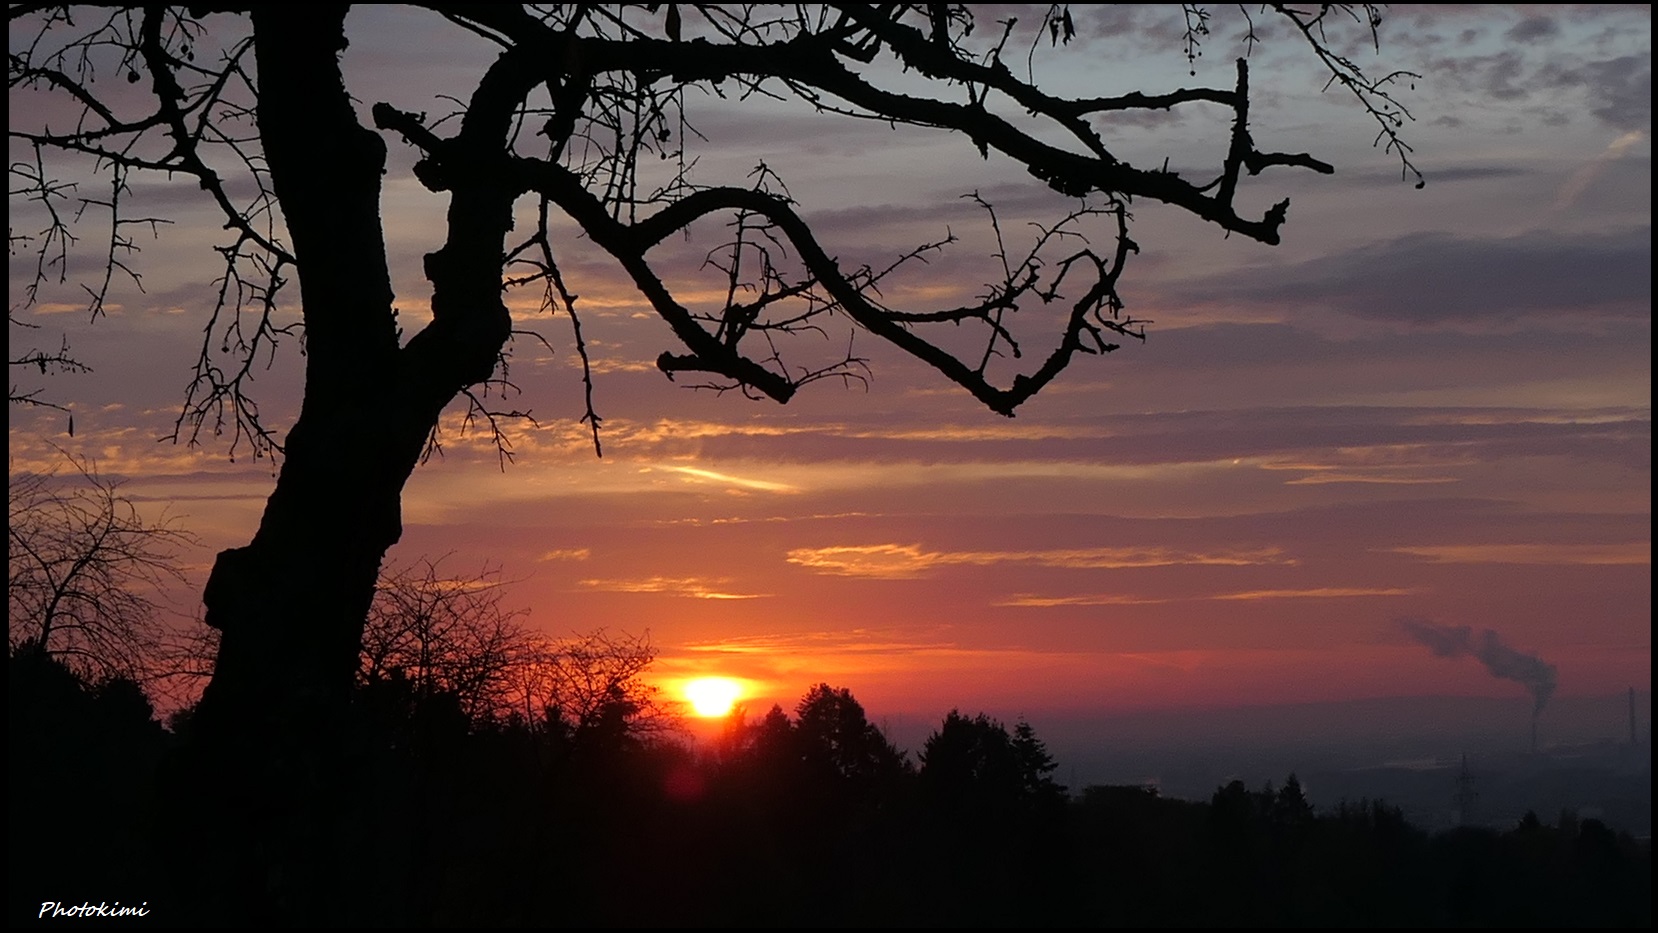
(1375, 95)
(86, 571)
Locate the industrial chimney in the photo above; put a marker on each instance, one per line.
(1632, 741)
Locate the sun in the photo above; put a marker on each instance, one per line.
(713, 696)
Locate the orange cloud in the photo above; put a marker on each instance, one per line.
(693, 587)
(1093, 599)
(899, 561)
(568, 553)
(740, 481)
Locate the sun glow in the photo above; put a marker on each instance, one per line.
(713, 696)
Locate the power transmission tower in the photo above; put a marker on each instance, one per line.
(1465, 795)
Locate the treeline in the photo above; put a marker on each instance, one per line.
(804, 819)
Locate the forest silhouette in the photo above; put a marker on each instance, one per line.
(806, 819)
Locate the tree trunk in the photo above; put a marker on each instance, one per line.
(264, 792)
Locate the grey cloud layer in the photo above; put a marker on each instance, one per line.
(1618, 89)
(1431, 278)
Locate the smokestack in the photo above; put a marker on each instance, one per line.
(1631, 717)
(1447, 641)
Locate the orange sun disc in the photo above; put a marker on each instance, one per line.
(712, 696)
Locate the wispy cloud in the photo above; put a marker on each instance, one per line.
(784, 661)
(568, 553)
(1037, 601)
(856, 641)
(929, 649)
(1408, 464)
(1630, 552)
(741, 482)
(1585, 176)
(1090, 599)
(1381, 479)
(693, 587)
(1322, 592)
(605, 365)
(898, 561)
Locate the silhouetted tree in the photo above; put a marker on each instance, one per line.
(85, 573)
(815, 812)
(592, 687)
(446, 634)
(1139, 859)
(250, 106)
(433, 634)
(1290, 806)
(994, 822)
(765, 810)
(838, 742)
(969, 765)
(1036, 766)
(81, 758)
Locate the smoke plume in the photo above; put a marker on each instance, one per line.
(1448, 641)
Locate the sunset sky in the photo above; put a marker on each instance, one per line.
(1425, 404)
